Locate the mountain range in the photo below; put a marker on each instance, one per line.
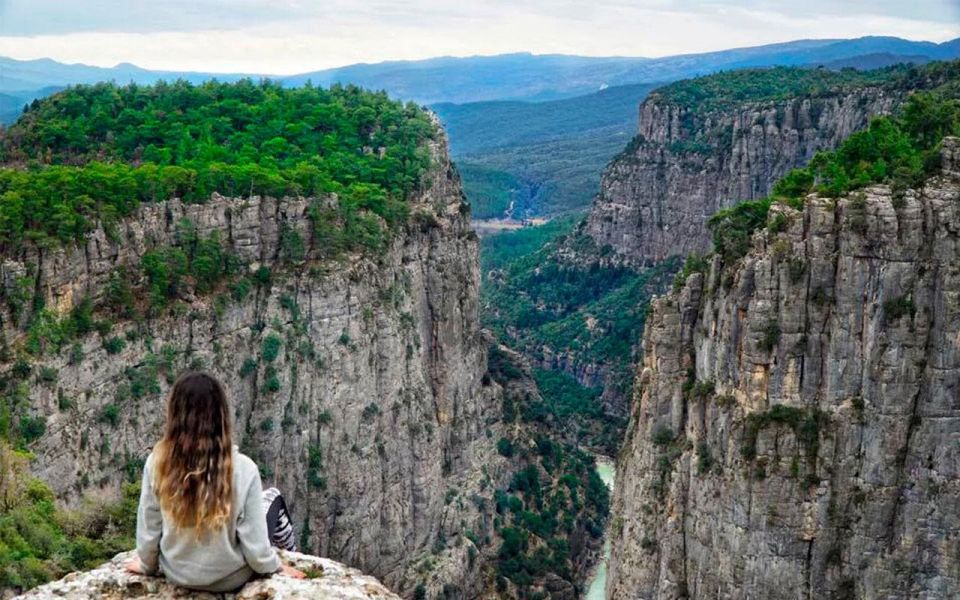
(531, 130)
(520, 76)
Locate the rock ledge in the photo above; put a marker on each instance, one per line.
(328, 579)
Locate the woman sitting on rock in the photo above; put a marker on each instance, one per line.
(204, 520)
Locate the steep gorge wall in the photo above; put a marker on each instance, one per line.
(686, 164)
(796, 426)
(373, 418)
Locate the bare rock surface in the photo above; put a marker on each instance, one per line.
(326, 579)
(796, 424)
(357, 384)
(686, 164)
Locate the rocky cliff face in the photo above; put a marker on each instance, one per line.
(357, 385)
(795, 428)
(326, 579)
(686, 164)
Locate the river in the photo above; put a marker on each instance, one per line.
(597, 583)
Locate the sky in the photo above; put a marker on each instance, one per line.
(295, 36)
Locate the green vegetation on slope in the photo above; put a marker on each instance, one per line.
(700, 132)
(731, 88)
(900, 151)
(40, 542)
(589, 312)
(94, 152)
(90, 155)
(488, 125)
(555, 506)
(539, 299)
(498, 251)
(491, 190)
(547, 157)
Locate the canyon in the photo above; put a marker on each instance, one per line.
(344, 327)
(790, 414)
(690, 159)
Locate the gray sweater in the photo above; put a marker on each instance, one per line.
(222, 560)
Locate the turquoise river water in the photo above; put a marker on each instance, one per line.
(598, 581)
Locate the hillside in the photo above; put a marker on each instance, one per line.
(793, 419)
(705, 143)
(549, 77)
(545, 157)
(569, 295)
(577, 310)
(527, 122)
(313, 293)
(22, 77)
(575, 317)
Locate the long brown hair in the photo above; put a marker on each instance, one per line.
(193, 475)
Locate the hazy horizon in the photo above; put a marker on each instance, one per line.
(283, 37)
(451, 56)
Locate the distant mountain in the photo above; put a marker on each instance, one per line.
(20, 77)
(799, 53)
(533, 129)
(877, 60)
(11, 104)
(548, 77)
(521, 76)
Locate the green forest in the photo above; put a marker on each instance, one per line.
(40, 541)
(731, 88)
(532, 299)
(555, 503)
(93, 153)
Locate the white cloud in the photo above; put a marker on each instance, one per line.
(290, 36)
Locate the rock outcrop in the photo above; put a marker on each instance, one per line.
(325, 579)
(358, 385)
(686, 164)
(796, 426)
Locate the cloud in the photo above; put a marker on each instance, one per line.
(52, 17)
(290, 36)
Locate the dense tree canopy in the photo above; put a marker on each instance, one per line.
(731, 88)
(95, 152)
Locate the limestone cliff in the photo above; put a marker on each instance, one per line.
(656, 196)
(357, 384)
(796, 427)
(325, 579)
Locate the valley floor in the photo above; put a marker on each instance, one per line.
(492, 226)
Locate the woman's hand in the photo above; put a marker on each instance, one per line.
(133, 566)
(288, 571)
